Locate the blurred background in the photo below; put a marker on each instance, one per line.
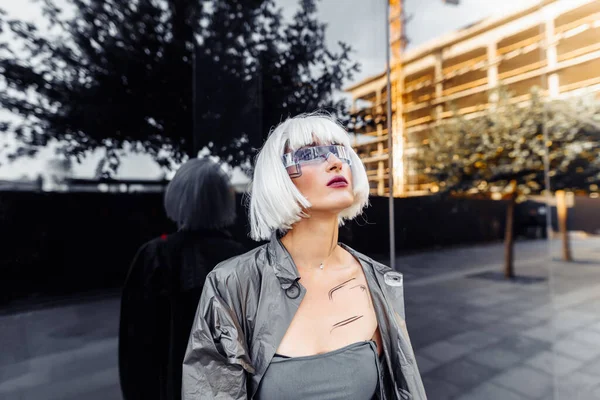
(478, 120)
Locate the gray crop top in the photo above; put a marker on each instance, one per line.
(349, 373)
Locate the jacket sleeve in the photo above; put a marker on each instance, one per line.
(139, 330)
(216, 361)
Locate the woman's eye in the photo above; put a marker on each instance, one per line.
(305, 156)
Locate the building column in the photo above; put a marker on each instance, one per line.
(380, 145)
(398, 134)
(492, 70)
(396, 43)
(551, 56)
(380, 164)
(378, 107)
(439, 85)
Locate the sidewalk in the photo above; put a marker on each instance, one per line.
(479, 336)
(476, 335)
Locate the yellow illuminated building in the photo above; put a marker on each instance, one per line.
(554, 45)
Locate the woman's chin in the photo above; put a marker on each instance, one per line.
(335, 205)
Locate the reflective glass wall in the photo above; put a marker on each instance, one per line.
(478, 123)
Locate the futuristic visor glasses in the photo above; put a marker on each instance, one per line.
(312, 155)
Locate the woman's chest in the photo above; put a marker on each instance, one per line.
(331, 315)
(327, 304)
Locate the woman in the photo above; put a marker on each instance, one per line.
(165, 281)
(302, 317)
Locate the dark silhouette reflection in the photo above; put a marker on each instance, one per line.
(165, 281)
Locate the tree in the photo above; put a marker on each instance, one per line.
(503, 152)
(117, 76)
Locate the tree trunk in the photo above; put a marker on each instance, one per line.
(509, 240)
(562, 213)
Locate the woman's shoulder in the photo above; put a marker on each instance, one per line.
(378, 267)
(236, 280)
(240, 267)
(385, 274)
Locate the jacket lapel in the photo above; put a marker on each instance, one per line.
(274, 315)
(387, 291)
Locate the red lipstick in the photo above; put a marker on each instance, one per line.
(338, 182)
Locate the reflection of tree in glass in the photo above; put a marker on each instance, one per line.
(119, 74)
(502, 152)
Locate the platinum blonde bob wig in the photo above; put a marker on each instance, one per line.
(275, 202)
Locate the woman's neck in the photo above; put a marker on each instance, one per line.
(313, 241)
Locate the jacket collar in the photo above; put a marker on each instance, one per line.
(367, 260)
(282, 263)
(287, 272)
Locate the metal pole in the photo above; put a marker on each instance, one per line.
(390, 141)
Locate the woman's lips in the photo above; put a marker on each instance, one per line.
(338, 182)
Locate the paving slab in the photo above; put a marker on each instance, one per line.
(462, 373)
(491, 391)
(526, 381)
(554, 364)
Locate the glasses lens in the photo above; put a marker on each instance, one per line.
(307, 155)
(315, 154)
(341, 153)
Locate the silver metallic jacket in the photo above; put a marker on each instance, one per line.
(247, 305)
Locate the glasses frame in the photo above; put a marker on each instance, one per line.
(313, 155)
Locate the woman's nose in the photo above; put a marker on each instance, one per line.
(333, 162)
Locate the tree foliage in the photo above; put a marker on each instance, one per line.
(505, 149)
(118, 75)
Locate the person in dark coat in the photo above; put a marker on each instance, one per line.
(166, 277)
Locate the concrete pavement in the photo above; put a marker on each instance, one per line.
(479, 336)
(476, 335)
